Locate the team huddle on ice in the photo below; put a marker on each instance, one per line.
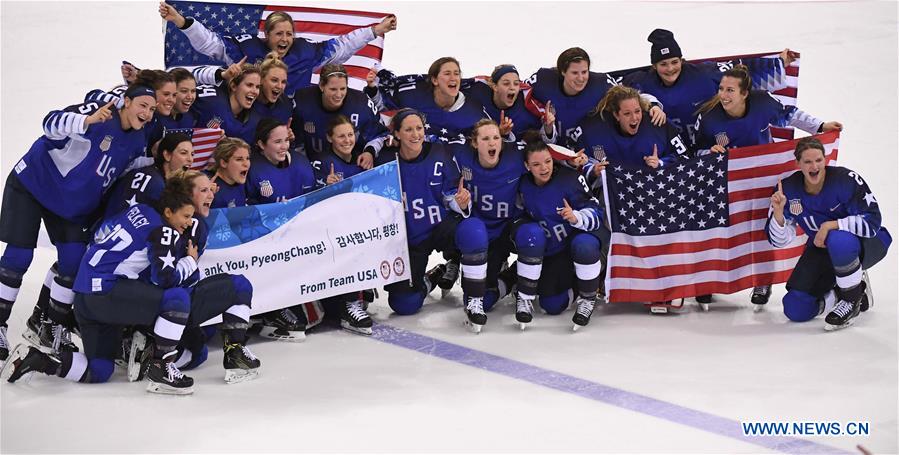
(488, 169)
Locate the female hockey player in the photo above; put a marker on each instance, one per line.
(337, 164)
(437, 218)
(230, 105)
(561, 234)
(316, 106)
(451, 114)
(491, 169)
(301, 56)
(838, 211)
(738, 116)
(276, 174)
(501, 101)
(61, 180)
(133, 274)
(574, 91)
(229, 169)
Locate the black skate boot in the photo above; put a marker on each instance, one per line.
(524, 311)
(704, 301)
(474, 310)
(166, 378)
(4, 344)
(760, 296)
(433, 276)
(449, 277)
(49, 337)
(868, 298)
(355, 319)
(26, 359)
(583, 312)
(140, 350)
(283, 325)
(849, 306)
(239, 362)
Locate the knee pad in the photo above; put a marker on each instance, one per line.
(16, 259)
(405, 303)
(175, 299)
(843, 247)
(557, 303)
(100, 370)
(585, 249)
(530, 240)
(471, 236)
(244, 290)
(69, 257)
(800, 306)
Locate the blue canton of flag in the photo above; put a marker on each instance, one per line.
(691, 196)
(225, 19)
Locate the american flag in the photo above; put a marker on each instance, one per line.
(315, 24)
(784, 87)
(698, 227)
(203, 140)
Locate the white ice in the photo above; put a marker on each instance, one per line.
(346, 393)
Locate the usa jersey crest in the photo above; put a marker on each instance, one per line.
(309, 127)
(265, 188)
(466, 173)
(722, 139)
(106, 143)
(795, 206)
(215, 122)
(599, 153)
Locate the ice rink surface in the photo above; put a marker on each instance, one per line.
(628, 382)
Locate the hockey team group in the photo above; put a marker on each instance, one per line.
(487, 167)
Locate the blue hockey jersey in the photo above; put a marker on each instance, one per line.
(429, 184)
(603, 139)
(135, 244)
(71, 166)
(494, 192)
(542, 204)
(267, 182)
(342, 169)
(138, 186)
(845, 198)
(213, 110)
(522, 118)
(311, 119)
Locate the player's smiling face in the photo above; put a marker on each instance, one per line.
(185, 95)
(733, 100)
(448, 79)
(343, 139)
(202, 195)
(540, 165)
(334, 92)
(273, 84)
(411, 135)
(275, 148)
(246, 91)
(165, 98)
(575, 78)
(669, 70)
(506, 90)
(280, 38)
(235, 169)
(138, 111)
(813, 166)
(489, 145)
(180, 219)
(180, 158)
(629, 116)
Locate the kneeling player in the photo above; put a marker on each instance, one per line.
(437, 209)
(564, 234)
(840, 214)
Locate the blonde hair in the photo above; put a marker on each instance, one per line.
(614, 97)
(225, 149)
(271, 61)
(477, 126)
(276, 18)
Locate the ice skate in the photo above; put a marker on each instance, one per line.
(668, 306)
(139, 353)
(843, 315)
(868, 298)
(433, 276)
(583, 312)
(449, 277)
(166, 378)
(239, 362)
(524, 311)
(704, 301)
(4, 344)
(355, 319)
(475, 315)
(283, 325)
(26, 359)
(760, 296)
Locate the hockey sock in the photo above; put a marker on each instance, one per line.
(170, 324)
(531, 243)
(585, 254)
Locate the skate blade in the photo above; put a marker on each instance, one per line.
(293, 337)
(523, 325)
(704, 306)
(834, 328)
(474, 328)
(758, 308)
(237, 375)
(162, 389)
(357, 330)
(32, 337)
(20, 351)
(445, 292)
(658, 309)
(138, 339)
(575, 327)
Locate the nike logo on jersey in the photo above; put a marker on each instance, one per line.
(513, 180)
(834, 207)
(434, 183)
